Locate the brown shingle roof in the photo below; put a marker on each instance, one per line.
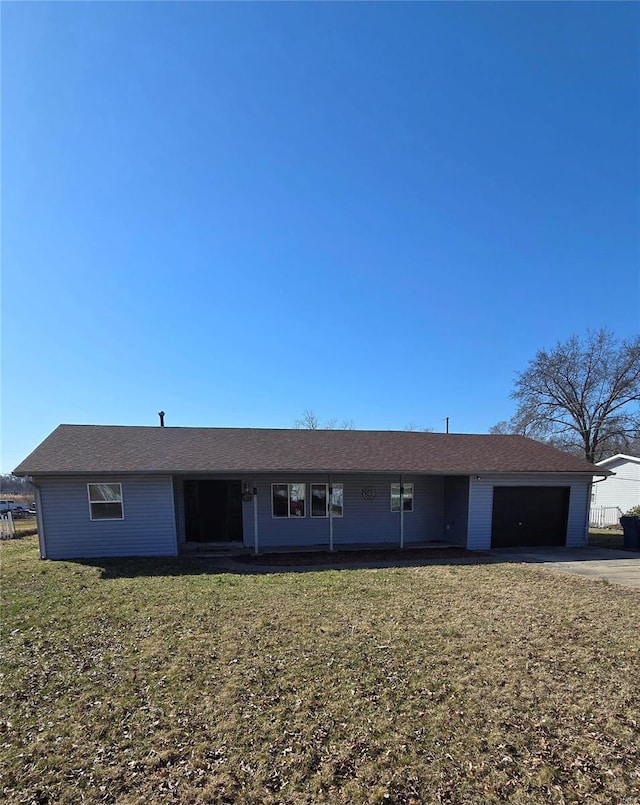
(91, 449)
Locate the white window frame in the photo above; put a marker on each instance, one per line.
(289, 516)
(104, 502)
(402, 497)
(327, 502)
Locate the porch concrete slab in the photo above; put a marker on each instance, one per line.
(617, 567)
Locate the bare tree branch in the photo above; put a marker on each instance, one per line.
(310, 421)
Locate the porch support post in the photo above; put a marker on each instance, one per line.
(401, 514)
(255, 520)
(329, 501)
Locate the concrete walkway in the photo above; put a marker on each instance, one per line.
(617, 567)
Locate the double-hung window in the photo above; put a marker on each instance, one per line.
(288, 500)
(406, 495)
(325, 495)
(105, 501)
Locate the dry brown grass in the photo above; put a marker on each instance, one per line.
(138, 681)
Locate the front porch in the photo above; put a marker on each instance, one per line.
(222, 514)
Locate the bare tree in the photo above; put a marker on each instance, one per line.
(582, 395)
(524, 425)
(11, 484)
(504, 426)
(310, 421)
(629, 445)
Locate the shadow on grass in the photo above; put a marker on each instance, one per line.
(138, 567)
(612, 541)
(23, 534)
(313, 562)
(248, 564)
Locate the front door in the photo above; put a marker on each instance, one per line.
(213, 511)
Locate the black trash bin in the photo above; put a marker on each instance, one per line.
(631, 529)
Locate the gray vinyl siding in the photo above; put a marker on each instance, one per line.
(481, 505)
(148, 527)
(578, 525)
(364, 521)
(454, 508)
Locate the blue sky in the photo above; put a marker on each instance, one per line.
(235, 212)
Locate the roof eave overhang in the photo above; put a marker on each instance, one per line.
(308, 471)
(618, 457)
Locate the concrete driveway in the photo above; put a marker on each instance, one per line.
(617, 567)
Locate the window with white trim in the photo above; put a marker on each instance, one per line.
(407, 497)
(105, 501)
(321, 494)
(288, 500)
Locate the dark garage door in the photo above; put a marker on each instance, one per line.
(529, 515)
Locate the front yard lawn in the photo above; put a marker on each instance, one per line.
(606, 538)
(155, 681)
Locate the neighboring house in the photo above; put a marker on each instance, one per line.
(143, 491)
(617, 493)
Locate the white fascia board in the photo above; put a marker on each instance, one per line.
(620, 456)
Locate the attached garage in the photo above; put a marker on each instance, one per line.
(509, 510)
(529, 515)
